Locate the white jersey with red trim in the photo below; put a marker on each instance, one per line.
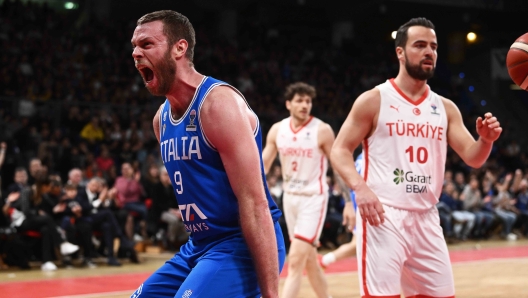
(405, 156)
(303, 163)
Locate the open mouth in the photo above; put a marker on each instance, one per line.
(147, 74)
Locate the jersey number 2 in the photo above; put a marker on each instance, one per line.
(294, 166)
(421, 154)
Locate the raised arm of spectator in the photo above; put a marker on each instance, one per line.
(516, 181)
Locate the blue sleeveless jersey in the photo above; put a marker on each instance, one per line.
(206, 200)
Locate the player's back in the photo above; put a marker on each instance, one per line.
(303, 163)
(405, 156)
(206, 200)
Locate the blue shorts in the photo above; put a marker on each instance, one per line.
(223, 268)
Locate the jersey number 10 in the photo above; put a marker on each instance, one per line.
(421, 154)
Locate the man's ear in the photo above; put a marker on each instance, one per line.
(179, 48)
(400, 53)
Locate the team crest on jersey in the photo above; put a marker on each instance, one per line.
(165, 116)
(191, 126)
(163, 129)
(417, 111)
(308, 135)
(433, 106)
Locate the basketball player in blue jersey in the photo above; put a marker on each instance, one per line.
(210, 143)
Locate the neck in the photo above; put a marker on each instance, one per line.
(296, 122)
(184, 87)
(413, 88)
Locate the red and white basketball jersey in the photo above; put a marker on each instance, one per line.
(303, 163)
(405, 156)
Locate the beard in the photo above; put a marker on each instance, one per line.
(165, 73)
(417, 72)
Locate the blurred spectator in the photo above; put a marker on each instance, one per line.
(503, 207)
(92, 200)
(472, 198)
(129, 193)
(75, 177)
(150, 180)
(92, 132)
(464, 220)
(521, 203)
(35, 169)
(24, 210)
(20, 181)
(165, 209)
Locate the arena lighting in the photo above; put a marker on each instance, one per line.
(471, 37)
(393, 34)
(70, 5)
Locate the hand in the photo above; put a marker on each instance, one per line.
(369, 206)
(489, 128)
(518, 172)
(137, 175)
(13, 197)
(59, 208)
(3, 145)
(508, 177)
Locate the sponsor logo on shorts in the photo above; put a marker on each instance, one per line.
(137, 292)
(187, 294)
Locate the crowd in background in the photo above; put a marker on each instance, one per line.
(74, 115)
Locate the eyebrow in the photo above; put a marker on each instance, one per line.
(141, 40)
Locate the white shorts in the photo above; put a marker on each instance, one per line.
(305, 216)
(407, 253)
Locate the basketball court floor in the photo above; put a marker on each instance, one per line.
(489, 269)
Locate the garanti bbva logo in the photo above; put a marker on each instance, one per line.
(413, 183)
(399, 176)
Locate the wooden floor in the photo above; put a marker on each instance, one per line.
(480, 270)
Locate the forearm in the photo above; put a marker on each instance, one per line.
(343, 163)
(259, 233)
(478, 153)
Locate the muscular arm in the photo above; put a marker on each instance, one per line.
(270, 150)
(358, 125)
(474, 153)
(222, 111)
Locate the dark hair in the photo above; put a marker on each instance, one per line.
(40, 182)
(299, 88)
(175, 26)
(20, 169)
(401, 34)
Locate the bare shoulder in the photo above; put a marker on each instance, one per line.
(222, 98)
(272, 133)
(325, 129)
(450, 107)
(369, 100)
